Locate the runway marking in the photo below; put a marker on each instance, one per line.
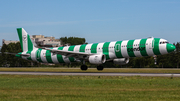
(92, 74)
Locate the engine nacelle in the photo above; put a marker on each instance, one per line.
(97, 59)
(121, 61)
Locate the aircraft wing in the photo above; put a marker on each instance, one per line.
(78, 55)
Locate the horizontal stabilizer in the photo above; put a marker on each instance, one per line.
(17, 54)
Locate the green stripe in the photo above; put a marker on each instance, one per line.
(59, 57)
(71, 59)
(19, 30)
(106, 49)
(156, 46)
(71, 48)
(29, 52)
(117, 49)
(38, 55)
(48, 56)
(94, 48)
(130, 48)
(82, 48)
(19, 56)
(30, 44)
(143, 47)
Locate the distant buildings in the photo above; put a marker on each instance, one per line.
(40, 40)
(8, 42)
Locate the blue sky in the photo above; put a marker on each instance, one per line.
(95, 20)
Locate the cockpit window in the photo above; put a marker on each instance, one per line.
(163, 42)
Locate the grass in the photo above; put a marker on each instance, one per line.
(117, 70)
(88, 88)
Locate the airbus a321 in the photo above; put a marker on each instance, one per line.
(118, 52)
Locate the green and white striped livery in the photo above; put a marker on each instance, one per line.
(96, 53)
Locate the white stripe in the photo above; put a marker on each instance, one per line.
(99, 48)
(112, 53)
(124, 49)
(76, 48)
(54, 57)
(43, 56)
(148, 50)
(66, 59)
(135, 45)
(162, 47)
(24, 40)
(23, 57)
(88, 48)
(33, 54)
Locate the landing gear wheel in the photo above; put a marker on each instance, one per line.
(84, 67)
(100, 67)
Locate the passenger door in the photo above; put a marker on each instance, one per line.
(151, 43)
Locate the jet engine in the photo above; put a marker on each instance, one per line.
(121, 61)
(97, 59)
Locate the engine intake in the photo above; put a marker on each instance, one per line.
(121, 61)
(97, 59)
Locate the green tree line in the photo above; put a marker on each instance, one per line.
(73, 40)
(11, 60)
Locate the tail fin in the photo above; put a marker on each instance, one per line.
(25, 40)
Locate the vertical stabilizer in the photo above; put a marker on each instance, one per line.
(25, 40)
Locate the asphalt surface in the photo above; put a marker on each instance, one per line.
(92, 74)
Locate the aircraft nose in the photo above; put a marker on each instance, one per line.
(170, 48)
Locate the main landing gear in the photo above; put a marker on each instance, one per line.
(99, 67)
(84, 67)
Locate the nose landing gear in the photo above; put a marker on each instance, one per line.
(155, 59)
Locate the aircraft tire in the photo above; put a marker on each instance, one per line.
(84, 67)
(100, 67)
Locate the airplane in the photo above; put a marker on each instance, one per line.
(117, 52)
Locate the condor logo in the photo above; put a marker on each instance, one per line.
(136, 49)
(24, 38)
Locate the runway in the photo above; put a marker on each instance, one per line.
(92, 74)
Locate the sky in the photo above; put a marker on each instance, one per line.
(94, 20)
